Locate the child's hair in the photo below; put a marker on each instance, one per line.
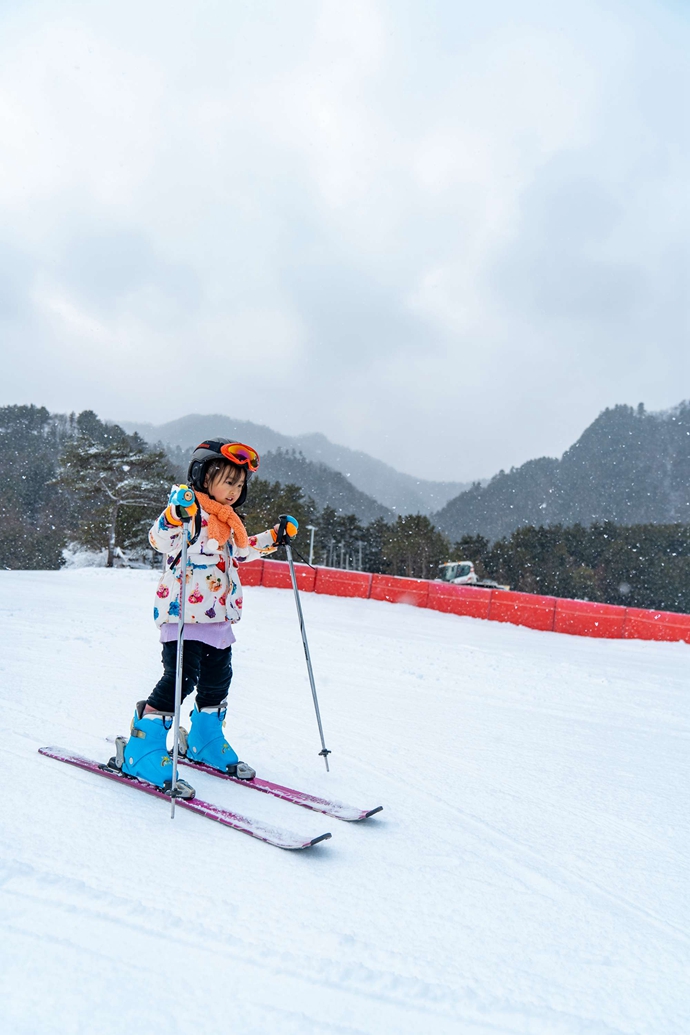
(218, 467)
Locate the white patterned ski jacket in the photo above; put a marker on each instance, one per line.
(214, 591)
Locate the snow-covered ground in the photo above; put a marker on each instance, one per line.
(528, 874)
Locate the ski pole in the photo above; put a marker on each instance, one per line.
(284, 540)
(183, 495)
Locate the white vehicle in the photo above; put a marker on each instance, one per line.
(462, 573)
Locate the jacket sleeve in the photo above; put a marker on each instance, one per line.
(165, 537)
(259, 546)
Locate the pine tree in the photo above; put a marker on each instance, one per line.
(414, 547)
(266, 501)
(119, 482)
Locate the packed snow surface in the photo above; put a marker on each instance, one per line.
(528, 873)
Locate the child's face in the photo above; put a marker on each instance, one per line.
(227, 486)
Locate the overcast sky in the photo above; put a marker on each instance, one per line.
(444, 232)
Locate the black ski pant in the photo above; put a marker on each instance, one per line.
(205, 669)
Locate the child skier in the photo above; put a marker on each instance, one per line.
(218, 473)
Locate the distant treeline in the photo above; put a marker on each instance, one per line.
(636, 565)
(71, 482)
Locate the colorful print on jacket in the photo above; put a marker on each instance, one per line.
(214, 591)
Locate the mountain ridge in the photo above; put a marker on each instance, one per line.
(629, 466)
(396, 491)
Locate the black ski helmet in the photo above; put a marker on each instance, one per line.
(201, 458)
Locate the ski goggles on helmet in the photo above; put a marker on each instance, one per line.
(235, 452)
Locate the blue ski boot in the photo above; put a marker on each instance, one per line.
(145, 755)
(205, 743)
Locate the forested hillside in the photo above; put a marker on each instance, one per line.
(33, 512)
(394, 491)
(80, 489)
(327, 487)
(76, 483)
(73, 479)
(629, 467)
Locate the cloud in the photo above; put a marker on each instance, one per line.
(15, 284)
(562, 265)
(391, 222)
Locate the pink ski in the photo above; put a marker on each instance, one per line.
(335, 809)
(255, 828)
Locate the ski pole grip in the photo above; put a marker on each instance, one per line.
(287, 529)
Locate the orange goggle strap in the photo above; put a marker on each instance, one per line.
(236, 452)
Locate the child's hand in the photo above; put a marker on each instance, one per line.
(181, 505)
(286, 529)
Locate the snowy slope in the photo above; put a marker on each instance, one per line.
(528, 874)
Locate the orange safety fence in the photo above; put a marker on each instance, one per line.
(551, 614)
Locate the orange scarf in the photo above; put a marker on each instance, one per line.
(223, 522)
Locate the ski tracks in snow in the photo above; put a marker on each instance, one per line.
(527, 875)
